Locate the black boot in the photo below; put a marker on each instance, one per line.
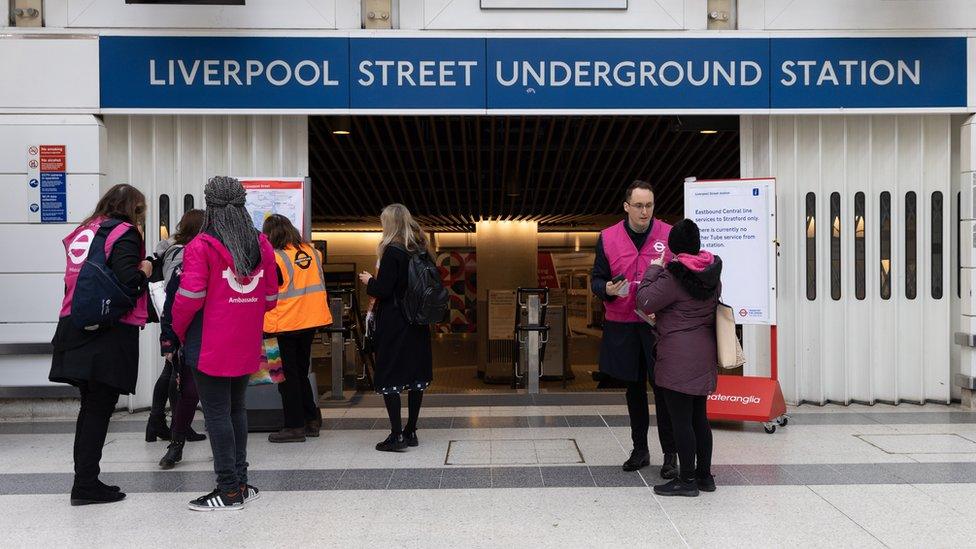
(678, 487)
(193, 436)
(393, 443)
(670, 468)
(638, 460)
(108, 487)
(157, 428)
(89, 495)
(174, 455)
(410, 437)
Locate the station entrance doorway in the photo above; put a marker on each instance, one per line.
(509, 202)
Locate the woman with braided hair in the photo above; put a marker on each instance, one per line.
(228, 283)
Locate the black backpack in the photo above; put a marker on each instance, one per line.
(99, 299)
(426, 300)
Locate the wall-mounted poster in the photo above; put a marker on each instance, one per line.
(460, 278)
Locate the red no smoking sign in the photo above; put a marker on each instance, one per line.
(53, 158)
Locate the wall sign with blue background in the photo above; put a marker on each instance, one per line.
(500, 74)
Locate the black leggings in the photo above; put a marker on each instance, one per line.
(392, 400)
(165, 389)
(692, 433)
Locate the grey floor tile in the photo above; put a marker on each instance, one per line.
(39, 428)
(35, 483)
(358, 423)
(819, 418)
(567, 477)
(466, 477)
(617, 421)
(933, 473)
(725, 475)
(585, 421)
(547, 421)
(434, 422)
(911, 418)
(416, 479)
(503, 422)
(767, 475)
(516, 477)
(296, 479)
(612, 476)
(365, 479)
(474, 422)
(815, 474)
(866, 473)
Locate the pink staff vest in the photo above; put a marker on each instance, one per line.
(76, 247)
(627, 260)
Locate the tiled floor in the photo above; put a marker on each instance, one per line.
(546, 474)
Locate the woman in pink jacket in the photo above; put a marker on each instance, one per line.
(228, 284)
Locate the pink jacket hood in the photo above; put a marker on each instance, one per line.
(219, 316)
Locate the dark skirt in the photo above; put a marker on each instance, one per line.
(620, 349)
(404, 360)
(109, 356)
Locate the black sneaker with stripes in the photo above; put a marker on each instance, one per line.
(218, 501)
(251, 493)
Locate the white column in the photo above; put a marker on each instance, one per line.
(966, 334)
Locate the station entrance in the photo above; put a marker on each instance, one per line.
(510, 202)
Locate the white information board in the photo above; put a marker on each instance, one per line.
(287, 196)
(737, 219)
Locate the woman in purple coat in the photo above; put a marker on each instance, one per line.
(683, 296)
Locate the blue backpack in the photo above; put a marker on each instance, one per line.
(99, 298)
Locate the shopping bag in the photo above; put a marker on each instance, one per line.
(730, 353)
(270, 370)
(157, 294)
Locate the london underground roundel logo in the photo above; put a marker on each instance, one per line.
(303, 260)
(743, 313)
(659, 247)
(78, 248)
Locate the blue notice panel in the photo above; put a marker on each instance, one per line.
(223, 72)
(54, 208)
(868, 72)
(628, 73)
(53, 182)
(417, 73)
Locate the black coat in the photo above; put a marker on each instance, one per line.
(403, 353)
(109, 355)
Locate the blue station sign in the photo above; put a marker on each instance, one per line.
(536, 74)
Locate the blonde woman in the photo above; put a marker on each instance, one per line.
(403, 355)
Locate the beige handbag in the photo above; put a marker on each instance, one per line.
(730, 353)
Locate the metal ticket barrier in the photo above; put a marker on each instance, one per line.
(345, 338)
(336, 334)
(531, 337)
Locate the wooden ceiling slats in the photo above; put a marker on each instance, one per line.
(455, 170)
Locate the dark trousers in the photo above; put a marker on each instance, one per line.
(225, 411)
(97, 405)
(165, 389)
(640, 418)
(297, 398)
(186, 402)
(692, 433)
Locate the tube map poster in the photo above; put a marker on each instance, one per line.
(267, 196)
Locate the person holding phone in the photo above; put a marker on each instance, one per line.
(623, 253)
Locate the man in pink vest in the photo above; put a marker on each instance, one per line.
(623, 253)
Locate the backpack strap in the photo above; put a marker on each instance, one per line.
(97, 249)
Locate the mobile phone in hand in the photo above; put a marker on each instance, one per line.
(618, 278)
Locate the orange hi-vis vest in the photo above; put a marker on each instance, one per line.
(302, 300)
